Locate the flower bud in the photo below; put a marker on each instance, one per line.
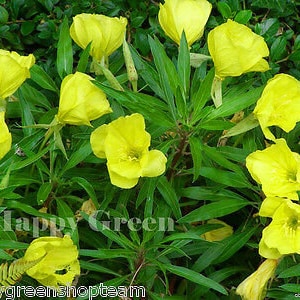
(190, 16)
(105, 33)
(279, 104)
(80, 100)
(235, 50)
(13, 71)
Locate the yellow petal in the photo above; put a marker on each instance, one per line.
(268, 252)
(190, 16)
(235, 50)
(122, 182)
(97, 140)
(270, 205)
(80, 100)
(57, 255)
(5, 136)
(279, 104)
(254, 286)
(153, 164)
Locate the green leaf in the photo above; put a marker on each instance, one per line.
(293, 271)
(64, 50)
(224, 10)
(43, 192)
(97, 268)
(169, 195)
(202, 95)
(221, 251)
(88, 188)
(196, 150)
(167, 73)
(278, 48)
(195, 277)
(183, 64)
(84, 59)
(243, 16)
(3, 15)
(214, 210)
(70, 226)
(118, 238)
(78, 156)
(236, 103)
(39, 76)
(12, 245)
(224, 177)
(107, 253)
(150, 107)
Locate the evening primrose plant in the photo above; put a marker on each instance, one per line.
(173, 173)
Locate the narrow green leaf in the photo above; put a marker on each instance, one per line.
(196, 150)
(214, 210)
(236, 103)
(225, 177)
(196, 277)
(118, 238)
(39, 76)
(64, 50)
(183, 64)
(84, 59)
(107, 253)
(43, 192)
(221, 251)
(169, 195)
(167, 73)
(202, 95)
(88, 188)
(97, 268)
(293, 271)
(224, 10)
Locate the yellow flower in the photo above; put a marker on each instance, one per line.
(13, 71)
(124, 143)
(282, 236)
(59, 264)
(5, 136)
(235, 50)
(105, 33)
(254, 286)
(219, 233)
(80, 100)
(190, 16)
(277, 169)
(279, 104)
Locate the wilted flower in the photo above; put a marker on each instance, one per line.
(190, 16)
(105, 33)
(235, 50)
(282, 235)
(124, 143)
(254, 286)
(80, 100)
(14, 69)
(279, 104)
(5, 136)
(219, 233)
(277, 168)
(59, 261)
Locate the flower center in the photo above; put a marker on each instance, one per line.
(293, 223)
(134, 155)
